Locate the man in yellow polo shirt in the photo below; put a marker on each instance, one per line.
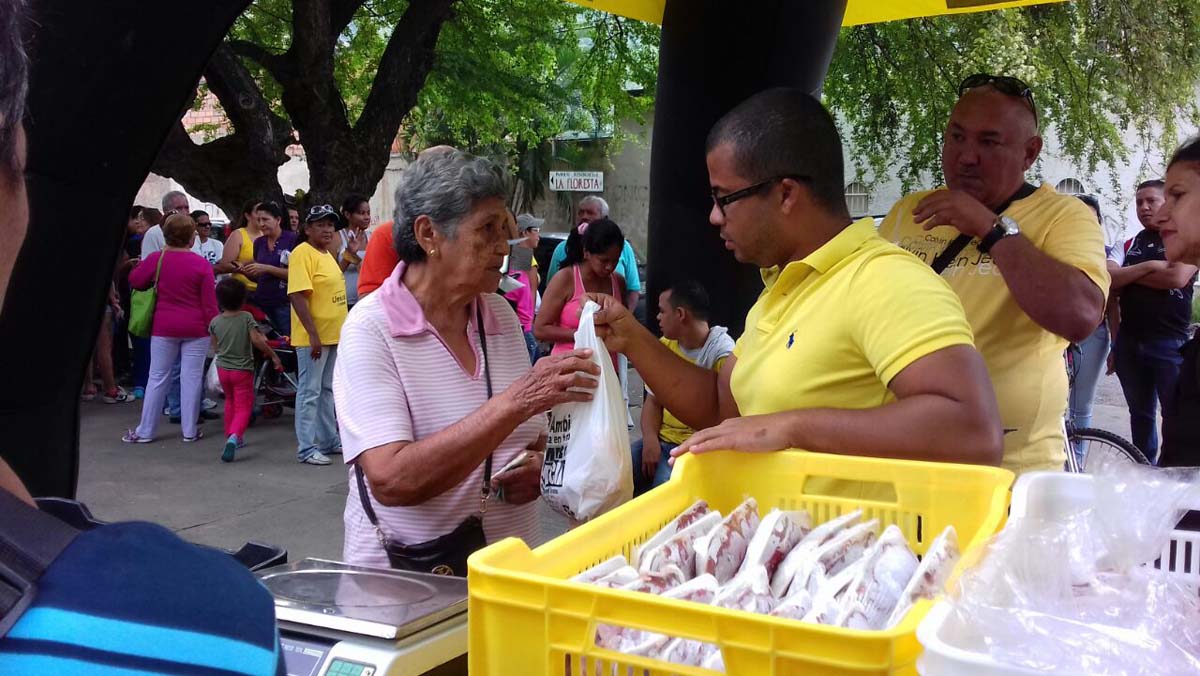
(854, 347)
(1029, 268)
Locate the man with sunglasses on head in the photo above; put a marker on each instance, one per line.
(836, 356)
(1027, 262)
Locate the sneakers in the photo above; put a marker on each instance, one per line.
(241, 442)
(231, 446)
(117, 396)
(198, 437)
(317, 458)
(139, 393)
(131, 437)
(88, 395)
(207, 404)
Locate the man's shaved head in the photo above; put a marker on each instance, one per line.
(991, 141)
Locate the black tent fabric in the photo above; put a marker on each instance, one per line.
(108, 80)
(713, 55)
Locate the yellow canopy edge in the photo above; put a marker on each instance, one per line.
(857, 11)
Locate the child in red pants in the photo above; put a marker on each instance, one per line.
(234, 336)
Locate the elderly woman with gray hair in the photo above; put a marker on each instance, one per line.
(439, 410)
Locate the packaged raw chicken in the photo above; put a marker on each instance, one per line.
(931, 575)
(678, 550)
(777, 534)
(619, 578)
(686, 518)
(794, 607)
(750, 592)
(658, 581)
(794, 562)
(832, 557)
(720, 553)
(591, 575)
(829, 599)
(702, 589)
(876, 591)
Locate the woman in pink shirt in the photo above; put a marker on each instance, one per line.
(186, 303)
(432, 378)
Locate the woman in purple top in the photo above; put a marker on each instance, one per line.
(185, 304)
(269, 268)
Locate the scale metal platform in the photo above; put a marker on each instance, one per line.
(341, 620)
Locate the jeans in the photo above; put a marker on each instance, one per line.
(280, 317)
(316, 424)
(165, 356)
(238, 386)
(141, 361)
(173, 395)
(1092, 360)
(1148, 369)
(642, 483)
(532, 346)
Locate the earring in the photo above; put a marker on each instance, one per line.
(432, 252)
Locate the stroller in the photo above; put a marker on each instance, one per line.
(273, 390)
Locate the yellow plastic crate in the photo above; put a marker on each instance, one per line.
(525, 618)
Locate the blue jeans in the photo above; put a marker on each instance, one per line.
(316, 424)
(642, 483)
(280, 317)
(1092, 360)
(1149, 370)
(532, 346)
(174, 400)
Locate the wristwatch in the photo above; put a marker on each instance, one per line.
(1004, 227)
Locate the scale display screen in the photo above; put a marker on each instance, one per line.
(303, 657)
(340, 667)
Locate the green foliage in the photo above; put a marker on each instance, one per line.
(1099, 69)
(508, 76)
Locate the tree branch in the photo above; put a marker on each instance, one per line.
(274, 63)
(405, 64)
(242, 100)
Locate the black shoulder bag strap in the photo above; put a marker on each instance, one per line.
(29, 542)
(487, 465)
(959, 243)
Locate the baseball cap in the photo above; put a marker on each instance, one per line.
(323, 212)
(526, 222)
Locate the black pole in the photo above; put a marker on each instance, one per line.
(713, 55)
(108, 81)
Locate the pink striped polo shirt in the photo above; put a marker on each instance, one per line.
(395, 380)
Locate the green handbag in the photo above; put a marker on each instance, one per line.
(141, 305)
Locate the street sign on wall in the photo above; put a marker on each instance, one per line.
(577, 181)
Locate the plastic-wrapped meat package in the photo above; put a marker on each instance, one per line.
(930, 578)
(678, 550)
(750, 592)
(833, 557)
(619, 578)
(875, 592)
(777, 534)
(674, 527)
(601, 570)
(794, 607)
(715, 662)
(702, 589)
(829, 600)
(658, 581)
(720, 553)
(796, 560)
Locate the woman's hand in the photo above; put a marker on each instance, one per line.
(615, 324)
(548, 383)
(523, 484)
(251, 270)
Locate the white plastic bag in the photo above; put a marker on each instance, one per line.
(588, 469)
(212, 382)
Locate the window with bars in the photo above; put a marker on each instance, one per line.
(1071, 186)
(858, 200)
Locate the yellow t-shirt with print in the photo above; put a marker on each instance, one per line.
(1024, 360)
(673, 429)
(318, 272)
(833, 329)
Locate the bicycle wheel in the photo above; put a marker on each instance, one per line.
(1096, 445)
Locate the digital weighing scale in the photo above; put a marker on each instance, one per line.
(341, 620)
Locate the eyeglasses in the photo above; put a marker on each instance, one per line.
(723, 201)
(1009, 86)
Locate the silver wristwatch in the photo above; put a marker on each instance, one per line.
(1004, 227)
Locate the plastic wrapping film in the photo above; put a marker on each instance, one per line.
(1074, 594)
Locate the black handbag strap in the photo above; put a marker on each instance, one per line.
(30, 541)
(959, 243)
(487, 465)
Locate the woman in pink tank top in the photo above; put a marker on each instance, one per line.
(593, 252)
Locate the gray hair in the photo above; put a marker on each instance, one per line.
(14, 79)
(598, 201)
(445, 186)
(170, 196)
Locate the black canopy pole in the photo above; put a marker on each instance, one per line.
(108, 80)
(713, 55)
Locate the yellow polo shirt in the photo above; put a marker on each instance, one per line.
(833, 329)
(318, 272)
(673, 429)
(1024, 360)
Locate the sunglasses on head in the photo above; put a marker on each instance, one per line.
(1009, 86)
(321, 211)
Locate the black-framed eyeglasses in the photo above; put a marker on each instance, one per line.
(1005, 84)
(723, 201)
